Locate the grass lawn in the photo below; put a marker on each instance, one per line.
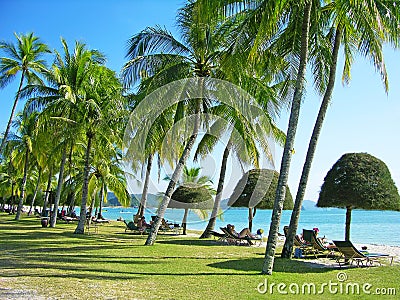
(54, 263)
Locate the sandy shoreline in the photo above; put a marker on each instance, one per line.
(372, 248)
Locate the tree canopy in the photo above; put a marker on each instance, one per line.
(193, 196)
(359, 180)
(252, 186)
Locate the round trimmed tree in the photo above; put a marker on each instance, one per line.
(359, 180)
(256, 190)
(191, 196)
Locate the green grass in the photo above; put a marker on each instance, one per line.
(55, 263)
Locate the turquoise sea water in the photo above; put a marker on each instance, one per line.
(372, 227)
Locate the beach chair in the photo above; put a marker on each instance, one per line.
(235, 240)
(133, 228)
(166, 226)
(91, 227)
(310, 237)
(306, 248)
(350, 254)
(220, 237)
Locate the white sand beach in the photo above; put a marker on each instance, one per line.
(372, 248)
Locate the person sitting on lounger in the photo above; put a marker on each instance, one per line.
(142, 224)
(323, 240)
(166, 225)
(244, 233)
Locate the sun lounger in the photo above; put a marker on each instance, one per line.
(91, 227)
(235, 240)
(310, 237)
(168, 226)
(306, 247)
(221, 237)
(101, 220)
(133, 228)
(350, 254)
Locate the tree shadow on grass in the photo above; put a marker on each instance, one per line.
(281, 265)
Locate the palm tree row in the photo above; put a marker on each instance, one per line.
(262, 47)
(75, 111)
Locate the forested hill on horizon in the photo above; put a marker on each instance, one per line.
(153, 201)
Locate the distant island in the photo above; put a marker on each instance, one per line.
(309, 205)
(153, 201)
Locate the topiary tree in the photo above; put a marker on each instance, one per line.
(359, 180)
(191, 196)
(256, 189)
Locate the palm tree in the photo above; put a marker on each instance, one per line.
(155, 54)
(21, 143)
(60, 100)
(24, 58)
(290, 136)
(274, 27)
(8, 179)
(108, 176)
(99, 112)
(354, 25)
(153, 144)
(243, 141)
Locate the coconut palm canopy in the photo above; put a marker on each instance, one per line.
(191, 196)
(257, 189)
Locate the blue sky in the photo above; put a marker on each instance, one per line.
(361, 117)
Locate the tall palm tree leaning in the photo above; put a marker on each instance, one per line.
(198, 57)
(24, 58)
(290, 136)
(358, 23)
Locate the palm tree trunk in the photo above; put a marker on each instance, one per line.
(11, 201)
(250, 218)
(36, 191)
(184, 220)
(218, 197)
(71, 204)
(53, 220)
(89, 216)
(294, 220)
(100, 215)
(47, 193)
(23, 186)
(348, 221)
(175, 177)
(80, 229)
(12, 112)
(291, 133)
(143, 200)
(3, 204)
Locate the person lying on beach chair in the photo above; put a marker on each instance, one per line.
(301, 243)
(142, 224)
(220, 237)
(238, 237)
(132, 227)
(318, 244)
(166, 224)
